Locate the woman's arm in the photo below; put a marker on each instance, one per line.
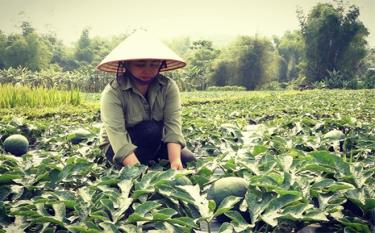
(112, 116)
(174, 155)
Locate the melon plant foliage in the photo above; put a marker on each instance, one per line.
(306, 157)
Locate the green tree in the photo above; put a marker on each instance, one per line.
(27, 50)
(253, 58)
(223, 71)
(3, 44)
(290, 48)
(334, 40)
(26, 28)
(39, 52)
(181, 45)
(83, 52)
(16, 51)
(62, 56)
(200, 62)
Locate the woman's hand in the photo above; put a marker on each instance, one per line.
(130, 160)
(177, 165)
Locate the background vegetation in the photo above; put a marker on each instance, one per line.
(329, 50)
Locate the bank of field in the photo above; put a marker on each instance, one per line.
(306, 156)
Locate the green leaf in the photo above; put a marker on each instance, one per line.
(60, 211)
(100, 215)
(175, 193)
(146, 207)
(200, 202)
(85, 194)
(8, 178)
(227, 204)
(109, 227)
(5, 191)
(107, 204)
(273, 211)
(45, 219)
(323, 183)
(295, 212)
(82, 229)
(167, 175)
(4, 217)
(129, 228)
(131, 172)
(238, 221)
(258, 149)
(19, 225)
(340, 186)
(164, 214)
(123, 201)
(264, 181)
(361, 198)
(136, 217)
(183, 221)
(146, 181)
(226, 228)
(331, 160)
(285, 162)
(356, 224)
(315, 215)
(257, 201)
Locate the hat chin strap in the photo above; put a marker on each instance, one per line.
(137, 80)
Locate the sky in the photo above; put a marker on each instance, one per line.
(217, 20)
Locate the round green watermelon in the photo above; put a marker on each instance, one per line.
(228, 186)
(79, 135)
(16, 144)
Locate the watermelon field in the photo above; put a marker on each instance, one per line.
(294, 159)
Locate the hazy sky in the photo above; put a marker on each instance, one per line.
(200, 19)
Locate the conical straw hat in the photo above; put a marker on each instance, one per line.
(139, 46)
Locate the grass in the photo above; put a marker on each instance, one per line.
(22, 96)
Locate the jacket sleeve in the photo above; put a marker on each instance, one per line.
(112, 116)
(172, 116)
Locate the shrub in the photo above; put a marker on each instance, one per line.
(226, 88)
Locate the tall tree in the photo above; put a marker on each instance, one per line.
(29, 51)
(181, 45)
(26, 28)
(290, 48)
(83, 52)
(200, 61)
(253, 57)
(3, 44)
(334, 40)
(223, 73)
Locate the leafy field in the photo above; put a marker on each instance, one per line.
(308, 157)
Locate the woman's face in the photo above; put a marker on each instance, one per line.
(144, 69)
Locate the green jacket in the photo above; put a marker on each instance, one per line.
(123, 106)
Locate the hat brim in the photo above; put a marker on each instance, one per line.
(141, 46)
(112, 66)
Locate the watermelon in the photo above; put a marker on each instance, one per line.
(16, 144)
(228, 186)
(334, 135)
(79, 135)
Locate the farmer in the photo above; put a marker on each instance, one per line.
(140, 108)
